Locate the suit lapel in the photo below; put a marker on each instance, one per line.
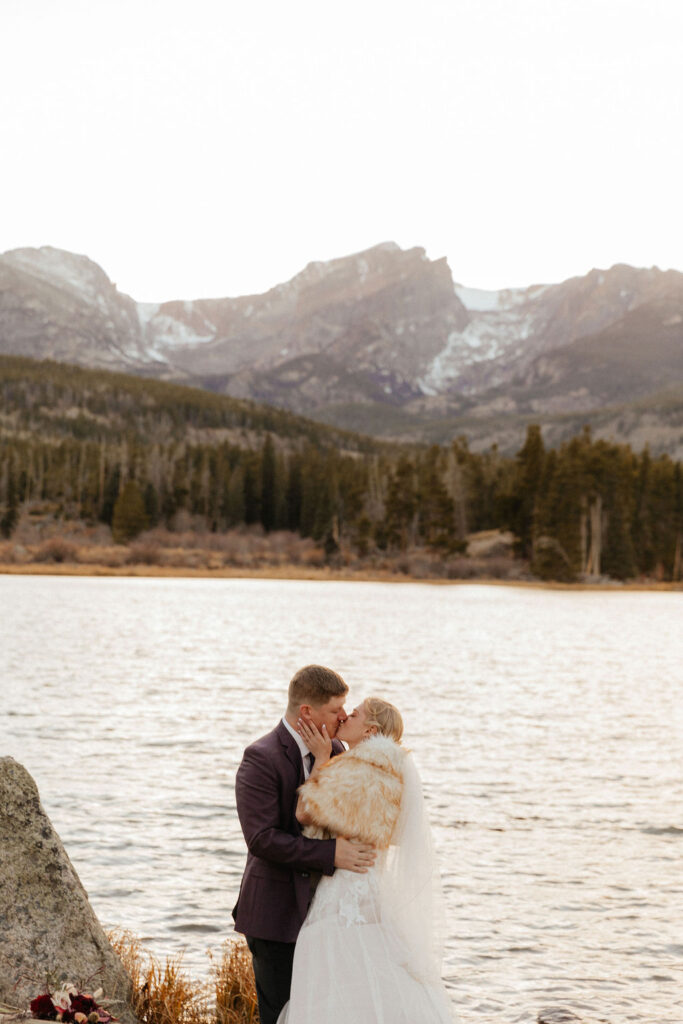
(291, 750)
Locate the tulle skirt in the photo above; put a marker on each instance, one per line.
(350, 966)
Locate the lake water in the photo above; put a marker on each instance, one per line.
(548, 727)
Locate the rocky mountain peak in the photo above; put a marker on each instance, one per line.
(60, 305)
(382, 327)
(365, 273)
(58, 267)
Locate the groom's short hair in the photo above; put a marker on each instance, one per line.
(315, 684)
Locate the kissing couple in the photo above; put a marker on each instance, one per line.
(340, 894)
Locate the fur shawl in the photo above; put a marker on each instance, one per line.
(357, 794)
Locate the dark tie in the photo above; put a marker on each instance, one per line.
(310, 761)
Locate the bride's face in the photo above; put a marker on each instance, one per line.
(355, 728)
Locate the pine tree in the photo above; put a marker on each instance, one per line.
(129, 518)
(252, 489)
(293, 493)
(616, 479)
(269, 497)
(110, 493)
(316, 496)
(234, 506)
(677, 567)
(641, 525)
(436, 508)
(400, 519)
(10, 515)
(151, 502)
(530, 465)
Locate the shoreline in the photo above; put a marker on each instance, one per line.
(323, 574)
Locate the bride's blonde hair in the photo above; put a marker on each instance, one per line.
(385, 716)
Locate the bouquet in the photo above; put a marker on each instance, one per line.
(69, 1005)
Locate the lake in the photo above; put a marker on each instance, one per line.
(547, 726)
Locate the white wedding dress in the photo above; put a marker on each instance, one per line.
(369, 950)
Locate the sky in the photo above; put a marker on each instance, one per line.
(211, 147)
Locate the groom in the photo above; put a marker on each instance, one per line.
(276, 886)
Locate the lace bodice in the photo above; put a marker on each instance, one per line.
(349, 897)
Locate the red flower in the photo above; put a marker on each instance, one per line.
(83, 1004)
(43, 1008)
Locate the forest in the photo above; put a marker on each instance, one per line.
(132, 454)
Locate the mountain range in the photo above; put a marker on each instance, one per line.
(384, 342)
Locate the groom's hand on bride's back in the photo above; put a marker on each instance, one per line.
(353, 855)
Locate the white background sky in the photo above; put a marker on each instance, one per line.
(210, 147)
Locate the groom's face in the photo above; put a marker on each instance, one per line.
(331, 715)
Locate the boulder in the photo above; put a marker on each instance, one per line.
(47, 925)
(490, 544)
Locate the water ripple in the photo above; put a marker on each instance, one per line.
(543, 723)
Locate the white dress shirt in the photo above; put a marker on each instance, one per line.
(300, 744)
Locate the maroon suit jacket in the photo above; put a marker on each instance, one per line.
(276, 885)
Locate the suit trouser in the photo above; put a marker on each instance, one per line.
(273, 973)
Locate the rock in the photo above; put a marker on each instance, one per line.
(490, 544)
(46, 921)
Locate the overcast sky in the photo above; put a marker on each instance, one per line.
(209, 147)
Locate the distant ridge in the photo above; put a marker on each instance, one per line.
(383, 339)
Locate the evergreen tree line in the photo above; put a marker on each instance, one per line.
(587, 508)
(60, 401)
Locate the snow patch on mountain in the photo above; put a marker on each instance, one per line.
(147, 311)
(487, 336)
(168, 332)
(479, 300)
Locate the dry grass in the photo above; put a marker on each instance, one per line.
(234, 987)
(163, 993)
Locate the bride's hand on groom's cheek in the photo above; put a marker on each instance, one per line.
(319, 743)
(352, 855)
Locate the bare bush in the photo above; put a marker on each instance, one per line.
(421, 567)
(113, 557)
(502, 567)
(505, 568)
(462, 569)
(186, 558)
(314, 557)
(8, 553)
(145, 552)
(56, 549)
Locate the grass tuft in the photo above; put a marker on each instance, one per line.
(234, 986)
(164, 994)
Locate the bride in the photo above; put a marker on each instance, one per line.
(368, 951)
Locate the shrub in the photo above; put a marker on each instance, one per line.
(145, 552)
(7, 554)
(113, 557)
(56, 549)
(461, 569)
